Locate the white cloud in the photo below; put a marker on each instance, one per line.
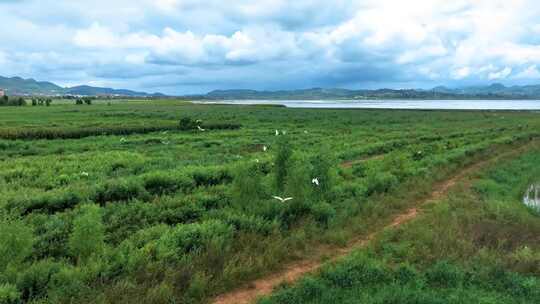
(461, 73)
(502, 74)
(530, 72)
(339, 42)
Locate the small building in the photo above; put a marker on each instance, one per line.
(2, 93)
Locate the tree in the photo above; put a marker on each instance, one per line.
(88, 236)
(48, 102)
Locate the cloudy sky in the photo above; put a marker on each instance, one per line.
(190, 46)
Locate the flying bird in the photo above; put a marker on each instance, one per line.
(281, 199)
(85, 174)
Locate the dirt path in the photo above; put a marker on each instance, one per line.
(264, 286)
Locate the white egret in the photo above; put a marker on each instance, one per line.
(315, 181)
(265, 148)
(281, 199)
(277, 133)
(201, 129)
(85, 174)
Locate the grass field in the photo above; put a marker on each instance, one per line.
(480, 245)
(121, 203)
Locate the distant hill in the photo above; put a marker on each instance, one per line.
(494, 91)
(20, 86)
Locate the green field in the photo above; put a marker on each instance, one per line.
(480, 245)
(122, 203)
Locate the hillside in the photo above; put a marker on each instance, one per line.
(494, 91)
(20, 86)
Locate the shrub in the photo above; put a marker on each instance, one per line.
(298, 180)
(66, 285)
(247, 187)
(322, 165)
(119, 190)
(380, 182)
(247, 223)
(282, 162)
(323, 213)
(49, 202)
(16, 241)
(34, 280)
(9, 294)
(187, 124)
(444, 274)
(211, 176)
(159, 183)
(52, 233)
(193, 238)
(88, 235)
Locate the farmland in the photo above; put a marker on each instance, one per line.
(167, 201)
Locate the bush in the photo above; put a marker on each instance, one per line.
(209, 176)
(160, 183)
(9, 294)
(380, 182)
(323, 213)
(120, 190)
(282, 162)
(322, 165)
(247, 223)
(67, 285)
(49, 202)
(193, 238)
(52, 233)
(16, 242)
(444, 274)
(34, 280)
(187, 124)
(88, 235)
(298, 180)
(247, 187)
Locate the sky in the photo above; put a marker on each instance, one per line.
(190, 47)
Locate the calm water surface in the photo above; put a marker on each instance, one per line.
(398, 104)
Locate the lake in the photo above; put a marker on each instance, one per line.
(396, 104)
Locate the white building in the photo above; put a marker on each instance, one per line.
(2, 93)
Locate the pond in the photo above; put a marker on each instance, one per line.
(532, 196)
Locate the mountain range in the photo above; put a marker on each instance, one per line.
(20, 86)
(494, 91)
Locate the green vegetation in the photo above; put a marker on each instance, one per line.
(164, 201)
(481, 245)
(12, 101)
